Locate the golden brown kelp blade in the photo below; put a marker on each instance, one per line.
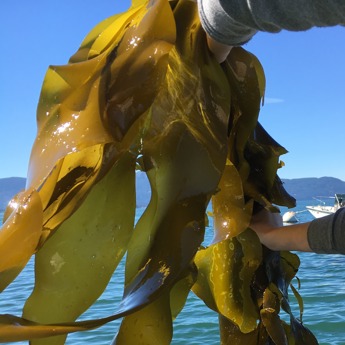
(74, 103)
(121, 58)
(226, 272)
(232, 211)
(19, 236)
(227, 267)
(72, 92)
(195, 230)
(86, 249)
(70, 123)
(182, 155)
(15, 329)
(230, 334)
(263, 184)
(150, 325)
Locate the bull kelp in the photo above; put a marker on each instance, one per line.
(143, 92)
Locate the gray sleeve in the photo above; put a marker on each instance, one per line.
(327, 235)
(234, 22)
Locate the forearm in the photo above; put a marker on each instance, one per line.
(219, 50)
(324, 235)
(234, 22)
(271, 232)
(291, 238)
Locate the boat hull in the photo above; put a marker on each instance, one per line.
(290, 217)
(320, 211)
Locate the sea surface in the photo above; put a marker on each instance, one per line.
(322, 288)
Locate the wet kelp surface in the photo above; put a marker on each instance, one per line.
(143, 92)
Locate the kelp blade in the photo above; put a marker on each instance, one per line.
(173, 223)
(86, 249)
(19, 236)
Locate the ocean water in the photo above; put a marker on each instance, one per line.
(322, 288)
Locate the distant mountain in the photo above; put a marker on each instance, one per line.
(9, 187)
(301, 188)
(307, 188)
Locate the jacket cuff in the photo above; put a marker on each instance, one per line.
(326, 235)
(221, 26)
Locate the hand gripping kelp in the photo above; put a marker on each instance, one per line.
(143, 92)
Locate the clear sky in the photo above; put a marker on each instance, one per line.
(305, 95)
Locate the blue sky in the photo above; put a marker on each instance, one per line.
(305, 99)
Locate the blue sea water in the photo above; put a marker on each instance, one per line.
(322, 288)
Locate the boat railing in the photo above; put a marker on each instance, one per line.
(340, 200)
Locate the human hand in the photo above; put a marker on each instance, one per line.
(267, 226)
(271, 232)
(264, 223)
(219, 50)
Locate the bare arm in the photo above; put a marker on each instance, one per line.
(219, 50)
(269, 227)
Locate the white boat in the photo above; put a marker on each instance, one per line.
(320, 211)
(290, 217)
